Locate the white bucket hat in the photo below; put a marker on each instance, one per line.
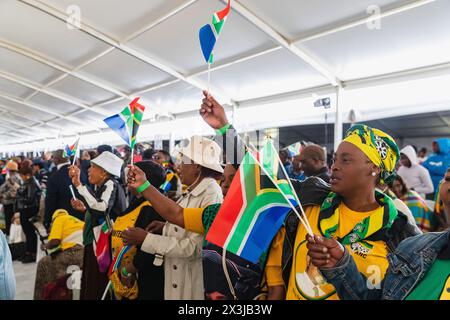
(204, 152)
(109, 162)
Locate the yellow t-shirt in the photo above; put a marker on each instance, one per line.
(66, 226)
(306, 281)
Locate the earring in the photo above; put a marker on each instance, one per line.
(374, 174)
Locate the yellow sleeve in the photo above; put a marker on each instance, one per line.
(193, 220)
(274, 271)
(56, 231)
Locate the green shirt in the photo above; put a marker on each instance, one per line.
(435, 285)
(88, 233)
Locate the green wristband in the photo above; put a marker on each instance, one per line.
(223, 130)
(125, 272)
(143, 187)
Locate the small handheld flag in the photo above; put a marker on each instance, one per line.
(126, 123)
(137, 110)
(209, 35)
(257, 202)
(295, 148)
(122, 124)
(71, 150)
(207, 42)
(67, 153)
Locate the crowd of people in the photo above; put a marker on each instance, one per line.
(380, 218)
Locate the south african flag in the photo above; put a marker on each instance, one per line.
(254, 208)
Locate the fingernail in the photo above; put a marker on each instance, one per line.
(325, 250)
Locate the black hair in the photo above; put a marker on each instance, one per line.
(402, 182)
(104, 147)
(148, 154)
(167, 154)
(156, 174)
(25, 170)
(40, 164)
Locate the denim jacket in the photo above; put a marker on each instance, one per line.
(407, 266)
(7, 279)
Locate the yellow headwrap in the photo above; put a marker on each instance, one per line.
(378, 146)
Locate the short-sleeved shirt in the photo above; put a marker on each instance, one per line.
(67, 229)
(199, 220)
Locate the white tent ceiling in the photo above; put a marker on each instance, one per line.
(274, 58)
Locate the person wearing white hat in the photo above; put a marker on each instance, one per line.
(200, 168)
(102, 204)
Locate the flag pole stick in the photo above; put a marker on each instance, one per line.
(209, 76)
(306, 224)
(292, 188)
(282, 193)
(73, 192)
(106, 290)
(132, 156)
(76, 151)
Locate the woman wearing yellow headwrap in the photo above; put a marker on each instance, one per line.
(354, 219)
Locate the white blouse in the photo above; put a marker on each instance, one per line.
(182, 249)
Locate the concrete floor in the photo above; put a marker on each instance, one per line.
(25, 276)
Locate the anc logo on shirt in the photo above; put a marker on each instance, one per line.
(361, 249)
(309, 282)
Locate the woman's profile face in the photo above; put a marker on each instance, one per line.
(351, 170)
(96, 175)
(228, 176)
(188, 171)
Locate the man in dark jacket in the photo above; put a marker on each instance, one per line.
(314, 162)
(58, 191)
(28, 197)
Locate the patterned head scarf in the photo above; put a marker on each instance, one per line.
(378, 146)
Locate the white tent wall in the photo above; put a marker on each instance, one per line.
(57, 80)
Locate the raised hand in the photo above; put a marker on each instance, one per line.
(134, 236)
(135, 177)
(212, 112)
(74, 174)
(78, 205)
(156, 227)
(324, 253)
